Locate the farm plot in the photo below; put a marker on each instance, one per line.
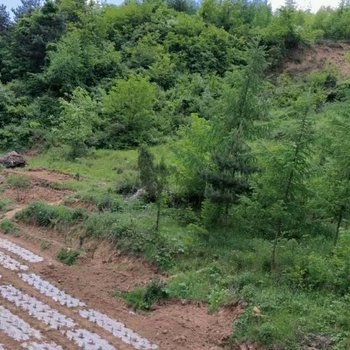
(70, 329)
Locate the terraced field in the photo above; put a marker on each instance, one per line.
(48, 305)
(31, 304)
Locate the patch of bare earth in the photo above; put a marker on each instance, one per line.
(328, 55)
(42, 175)
(43, 187)
(172, 325)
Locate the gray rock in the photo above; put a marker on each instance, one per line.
(13, 160)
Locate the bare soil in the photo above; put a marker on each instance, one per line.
(333, 56)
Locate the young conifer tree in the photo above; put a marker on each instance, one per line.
(231, 165)
(287, 170)
(337, 174)
(153, 179)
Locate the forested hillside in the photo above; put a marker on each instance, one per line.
(201, 141)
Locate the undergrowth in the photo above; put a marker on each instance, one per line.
(68, 256)
(9, 227)
(145, 298)
(58, 217)
(4, 204)
(304, 303)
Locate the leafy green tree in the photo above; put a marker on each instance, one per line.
(290, 4)
(162, 173)
(228, 174)
(79, 61)
(32, 35)
(187, 6)
(77, 120)
(192, 152)
(129, 110)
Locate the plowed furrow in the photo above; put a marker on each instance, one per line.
(24, 254)
(54, 319)
(62, 313)
(20, 331)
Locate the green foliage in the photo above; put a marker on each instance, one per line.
(8, 227)
(20, 182)
(68, 256)
(153, 178)
(145, 298)
(76, 123)
(44, 244)
(147, 172)
(103, 201)
(43, 214)
(192, 156)
(266, 152)
(4, 203)
(129, 105)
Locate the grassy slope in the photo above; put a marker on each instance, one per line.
(226, 268)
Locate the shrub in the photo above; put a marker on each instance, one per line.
(105, 201)
(218, 296)
(145, 298)
(44, 244)
(108, 202)
(3, 204)
(43, 214)
(20, 183)
(128, 184)
(68, 256)
(101, 225)
(8, 227)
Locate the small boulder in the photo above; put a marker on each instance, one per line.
(13, 160)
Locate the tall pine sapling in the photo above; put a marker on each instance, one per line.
(26, 7)
(147, 171)
(153, 178)
(5, 20)
(293, 169)
(231, 162)
(161, 183)
(338, 169)
(227, 179)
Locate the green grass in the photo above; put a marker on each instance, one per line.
(101, 169)
(306, 298)
(4, 204)
(53, 216)
(9, 227)
(145, 298)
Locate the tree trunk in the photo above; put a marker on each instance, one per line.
(340, 219)
(226, 217)
(158, 215)
(274, 247)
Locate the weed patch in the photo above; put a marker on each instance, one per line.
(9, 227)
(145, 298)
(68, 256)
(58, 217)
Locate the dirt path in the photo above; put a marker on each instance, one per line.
(39, 298)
